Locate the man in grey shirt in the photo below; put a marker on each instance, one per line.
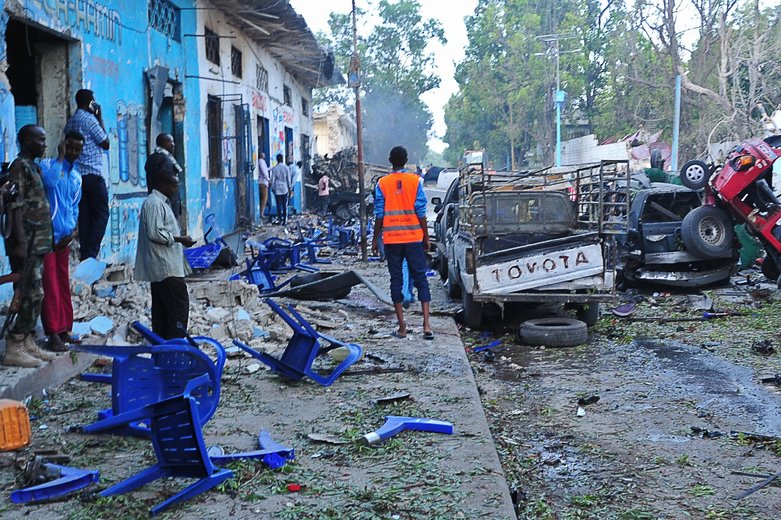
(281, 184)
(160, 260)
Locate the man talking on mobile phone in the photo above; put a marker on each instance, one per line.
(93, 208)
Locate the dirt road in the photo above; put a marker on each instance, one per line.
(657, 442)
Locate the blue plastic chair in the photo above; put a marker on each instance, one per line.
(138, 380)
(302, 349)
(177, 438)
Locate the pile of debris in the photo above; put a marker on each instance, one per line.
(342, 170)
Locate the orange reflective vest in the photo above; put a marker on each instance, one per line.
(400, 224)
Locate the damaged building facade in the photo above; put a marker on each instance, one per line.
(226, 78)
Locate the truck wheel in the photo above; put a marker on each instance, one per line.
(770, 269)
(473, 311)
(453, 289)
(707, 232)
(442, 268)
(588, 313)
(695, 175)
(553, 332)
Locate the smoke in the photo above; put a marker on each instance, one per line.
(392, 119)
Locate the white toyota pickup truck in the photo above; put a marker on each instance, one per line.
(525, 243)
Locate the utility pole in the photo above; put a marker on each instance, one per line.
(676, 125)
(354, 80)
(559, 97)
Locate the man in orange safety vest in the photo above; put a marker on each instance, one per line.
(400, 218)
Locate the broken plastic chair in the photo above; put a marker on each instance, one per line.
(258, 273)
(66, 480)
(273, 454)
(177, 438)
(302, 349)
(395, 424)
(202, 257)
(142, 375)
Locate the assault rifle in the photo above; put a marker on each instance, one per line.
(16, 301)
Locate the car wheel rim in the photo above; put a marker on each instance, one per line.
(711, 231)
(695, 173)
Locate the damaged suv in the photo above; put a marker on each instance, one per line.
(653, 250)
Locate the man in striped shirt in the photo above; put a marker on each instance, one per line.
(93, 208)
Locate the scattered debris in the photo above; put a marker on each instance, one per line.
(776, 380)
(764, 347)
(89, 271)
(759, 486)
(624, 310)
(325, 438)
(251, 368)
(394, 398)
(585, 401)
(486, 347)
(581, 412)
(706, 434)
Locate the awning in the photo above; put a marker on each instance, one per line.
(276, 26)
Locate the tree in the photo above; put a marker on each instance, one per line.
(396, 69)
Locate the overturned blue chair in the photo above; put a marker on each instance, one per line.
(142, 375)
(302, 349)
(177, 438)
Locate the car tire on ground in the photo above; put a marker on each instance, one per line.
(695, 174)
(588, 313)
(707, 232)
(453, 289)
(553, 332)
(473, 311)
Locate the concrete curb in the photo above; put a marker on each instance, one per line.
(19, 383)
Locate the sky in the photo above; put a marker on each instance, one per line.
(316, 12)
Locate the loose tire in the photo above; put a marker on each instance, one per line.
(695, 175)
(473, 311)
(553, 332)
(453, 289)
(588, 313)
(708, 232)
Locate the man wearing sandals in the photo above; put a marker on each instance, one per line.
(400, 218)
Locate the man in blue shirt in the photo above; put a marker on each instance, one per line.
(62, 182)
(93, 209)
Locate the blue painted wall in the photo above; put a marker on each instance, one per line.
(114, 47)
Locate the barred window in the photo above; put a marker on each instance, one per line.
(287, 96)
(305, 106)
(261, 77)
(236, 61)
(164, 17)
(212, 46)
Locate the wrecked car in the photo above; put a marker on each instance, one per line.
(653, 249)
(541, 238)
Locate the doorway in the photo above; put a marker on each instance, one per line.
(264, 147)
(38, 73)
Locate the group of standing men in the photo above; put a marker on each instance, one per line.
(56, 196)
(280, 180)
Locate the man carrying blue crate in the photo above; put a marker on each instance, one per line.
(160, 260)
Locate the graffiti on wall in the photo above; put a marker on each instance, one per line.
(126, 159)
(259, 101)
(87, 15)
(123, 215)
(131, 136)
(280, 119)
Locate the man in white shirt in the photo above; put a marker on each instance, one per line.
(160, 260)
(263, 180)
(281, 184)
